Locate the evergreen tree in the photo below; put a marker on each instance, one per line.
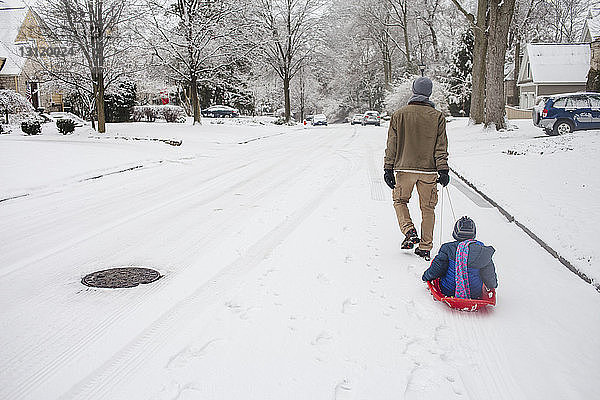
(460, 76)
(120, 101)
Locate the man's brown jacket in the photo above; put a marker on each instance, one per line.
(417, 140)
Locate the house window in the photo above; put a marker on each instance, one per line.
(528, 70)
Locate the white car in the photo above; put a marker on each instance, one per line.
(357, 119)
(319, 119)
(220, 111)
(371, 118)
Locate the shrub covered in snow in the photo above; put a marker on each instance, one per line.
(167, 112)
(65, 125)
(31, 127)
(14, 103)
(402, 92)
(150, 113)
(172, 113)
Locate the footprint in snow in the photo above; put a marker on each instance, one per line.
(347, 304)
(342, 390)
(321, 338)
(323, 278)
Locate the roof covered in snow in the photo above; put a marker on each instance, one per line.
(553, 63)
(12, 15)
(591, 27)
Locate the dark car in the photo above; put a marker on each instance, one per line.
(565, 113)
(220, 111)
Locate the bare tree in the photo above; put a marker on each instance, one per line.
(500, 16)
(427, 14)
(400, 18)
(96, 29)
(490, 29)
(524, 12)
(194, 40)
(567, 18)
(289, 32)
(479, 24)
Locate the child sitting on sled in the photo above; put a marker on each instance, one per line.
(464, 265)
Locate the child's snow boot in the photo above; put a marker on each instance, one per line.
(410, 240)
(423, 253)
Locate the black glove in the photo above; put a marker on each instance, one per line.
(444, 178)
(388, 177)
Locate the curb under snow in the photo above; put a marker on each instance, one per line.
(529, 232)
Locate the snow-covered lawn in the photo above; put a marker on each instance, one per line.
(548, 183)
(282, 274)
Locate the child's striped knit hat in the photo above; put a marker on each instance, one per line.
(464, 229)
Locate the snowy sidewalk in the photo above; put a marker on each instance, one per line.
(548, 183)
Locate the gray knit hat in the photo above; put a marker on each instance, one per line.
(423, 86)
(464, 229)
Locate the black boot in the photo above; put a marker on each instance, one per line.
(410, 240)
(423, 253)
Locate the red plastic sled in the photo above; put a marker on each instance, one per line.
(489, 298)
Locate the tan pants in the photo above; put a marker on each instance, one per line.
(428, 197)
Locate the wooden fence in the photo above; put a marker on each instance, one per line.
(517, 113)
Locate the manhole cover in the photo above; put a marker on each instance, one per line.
(120, 277)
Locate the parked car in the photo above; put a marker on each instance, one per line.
(357, 119)
(319, 119)
(565, 113)
(220, 111)
(371, 118)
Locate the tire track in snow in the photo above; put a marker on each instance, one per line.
(100, 382)
(376, 182)
(120, 314)
(110, 226)
(28, 383)
(216, 178)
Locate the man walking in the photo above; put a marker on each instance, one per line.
(417, 152)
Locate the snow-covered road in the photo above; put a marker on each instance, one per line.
(283, 279)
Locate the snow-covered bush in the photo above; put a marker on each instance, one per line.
(167, 112)
(172, 113)
(402, 92)
(148, 112)
(14, 103)
(31, 127)
(65, 125)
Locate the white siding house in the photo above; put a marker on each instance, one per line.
(551, 68)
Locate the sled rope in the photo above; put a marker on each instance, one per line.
(442, 217)
(451, 206)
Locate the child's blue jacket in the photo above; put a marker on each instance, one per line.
(480, 268)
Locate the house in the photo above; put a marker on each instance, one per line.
(552, 68)
(18, 35)
(591, 27)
